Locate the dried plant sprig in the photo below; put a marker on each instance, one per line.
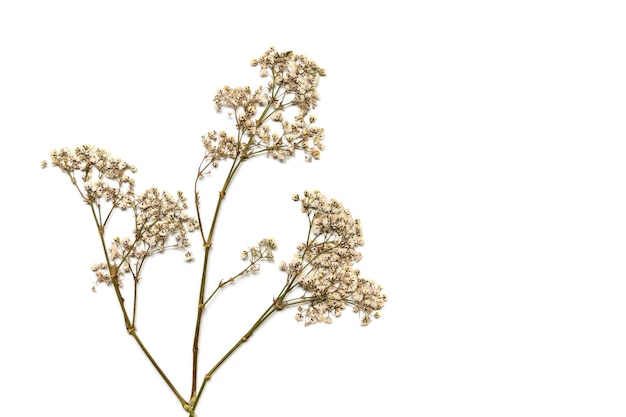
(323, 266)
(257, 113)
(322, 271)
(333, 233)
(161, 221)
(105, 184)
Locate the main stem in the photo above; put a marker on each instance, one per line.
(208, 242)
(207, 247)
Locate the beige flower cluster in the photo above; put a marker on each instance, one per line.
(324, 265)
(300, 134)
(161, 221)
(254, 254)
(161, 218)
(260, 114)
(102, 175)
(240, 97)
(123, 257)
(296, 75)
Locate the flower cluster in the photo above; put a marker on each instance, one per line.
(159, 217)
(240, 98)
(102, 274)
(221, 146)
(102, 175)
(161, 223)
(299, 135)
(263, 127)
(122, 258)
(297, 75)
(324, 266)
(264, 250)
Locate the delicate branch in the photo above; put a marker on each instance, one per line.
(129, 325)
(229, 281)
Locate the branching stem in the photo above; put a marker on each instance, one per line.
(129, 326)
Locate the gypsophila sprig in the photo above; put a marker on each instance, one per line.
(273, 120)
(323, 266)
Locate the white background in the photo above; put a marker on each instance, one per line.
(481, 143)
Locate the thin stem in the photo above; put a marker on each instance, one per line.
(158, 368)
(112, 268)
(136, 281)
(136, 278)
(196, 193)
(196, 337)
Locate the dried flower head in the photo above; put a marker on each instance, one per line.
(260, 117)
(103, 176)
(296, 74)
(324, 266)
(161, 220)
